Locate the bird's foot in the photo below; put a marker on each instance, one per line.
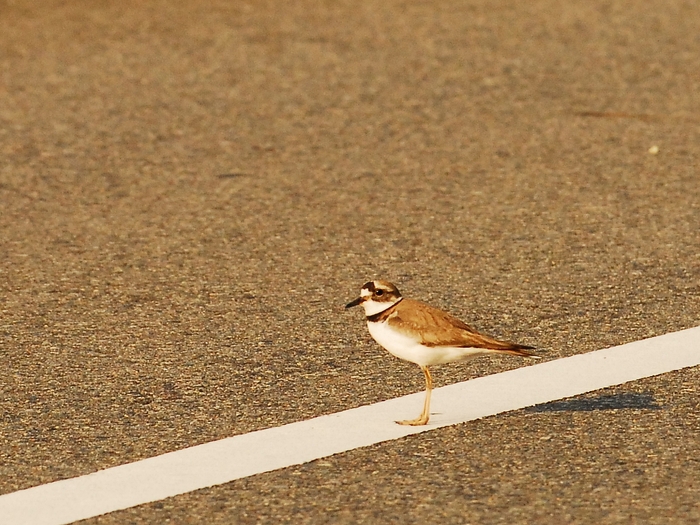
(414, 422)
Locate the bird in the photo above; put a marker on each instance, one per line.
(422, 334)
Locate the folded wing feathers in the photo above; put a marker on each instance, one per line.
(447, 330)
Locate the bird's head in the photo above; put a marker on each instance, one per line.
(376, 296)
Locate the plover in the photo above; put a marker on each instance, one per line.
(419, 333)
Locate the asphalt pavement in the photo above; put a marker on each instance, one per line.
(191, 191)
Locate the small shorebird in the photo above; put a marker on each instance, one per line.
(419, 333)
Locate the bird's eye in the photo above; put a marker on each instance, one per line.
(379, 293)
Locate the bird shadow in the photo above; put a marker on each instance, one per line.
(601, 402)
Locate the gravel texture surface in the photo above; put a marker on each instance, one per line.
(191, 191)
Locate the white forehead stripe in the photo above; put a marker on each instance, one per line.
(365, 293)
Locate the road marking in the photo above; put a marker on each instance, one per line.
(245, 455)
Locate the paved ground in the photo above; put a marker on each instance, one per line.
(191, 191)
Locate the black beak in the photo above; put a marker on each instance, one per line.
(357, 301)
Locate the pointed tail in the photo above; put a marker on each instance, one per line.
(519, 350)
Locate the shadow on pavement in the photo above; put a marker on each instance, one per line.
(603, 402)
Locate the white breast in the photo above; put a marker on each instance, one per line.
(409, 349)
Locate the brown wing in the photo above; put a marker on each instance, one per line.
(433, 327)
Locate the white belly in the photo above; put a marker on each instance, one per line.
(408, 349)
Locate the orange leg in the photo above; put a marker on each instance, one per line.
(425, 415)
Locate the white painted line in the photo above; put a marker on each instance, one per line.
(275, 448)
